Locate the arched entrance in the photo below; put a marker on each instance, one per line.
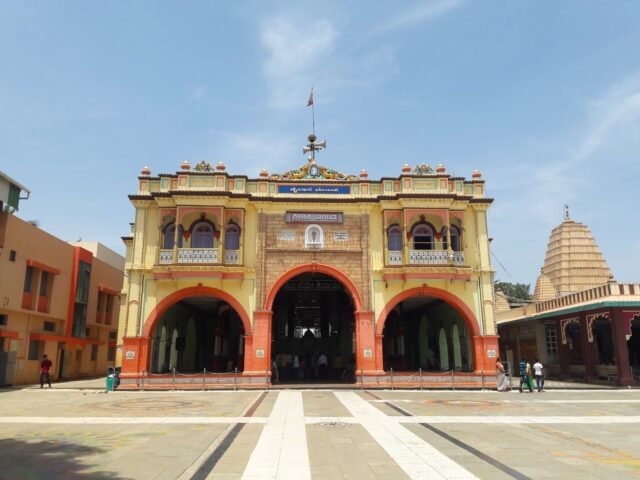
(312, 330)
(195, 334)
(426, 333)
(195, 329)
(430, 329)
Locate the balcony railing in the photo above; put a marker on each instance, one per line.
(433, 257)
(232, 257)
(394, 258)
(198, 255)
(166, 257)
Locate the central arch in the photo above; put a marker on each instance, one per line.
(312, 324)
(314, 268)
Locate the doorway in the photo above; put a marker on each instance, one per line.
(313, 331)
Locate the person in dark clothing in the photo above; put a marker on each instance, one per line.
(45, 367)
(524, 369)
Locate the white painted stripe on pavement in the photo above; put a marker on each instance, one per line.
(132, 420)
(281, 451)
(516, 420)
(415, 456)
(527, 401)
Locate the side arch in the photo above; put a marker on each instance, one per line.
(451, 299)
(198, 291)
(312, 268)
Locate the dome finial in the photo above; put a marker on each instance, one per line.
(566, 213)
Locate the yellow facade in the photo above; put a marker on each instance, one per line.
(387, 243)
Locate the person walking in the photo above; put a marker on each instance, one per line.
(502, 382)
(524, 369)
(45, 367)
(323, 364)
(537, 371)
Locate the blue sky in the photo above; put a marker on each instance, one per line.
(542, 97)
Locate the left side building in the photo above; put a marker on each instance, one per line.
(57, 298)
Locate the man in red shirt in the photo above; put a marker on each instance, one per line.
(45, 366)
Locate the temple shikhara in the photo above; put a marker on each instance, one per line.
(581, 324)
(307, 275)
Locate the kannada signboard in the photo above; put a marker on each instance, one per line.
(317, 189)
(313, 217)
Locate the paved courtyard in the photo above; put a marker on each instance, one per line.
(64, 433)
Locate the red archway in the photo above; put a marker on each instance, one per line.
(451, 299)
(314, 268)
(198, 291)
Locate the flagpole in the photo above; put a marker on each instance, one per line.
(313, 118)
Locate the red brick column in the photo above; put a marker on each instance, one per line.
(258, 354)
(379, 353)
(365, 342)
(588, 349)
(485, 350)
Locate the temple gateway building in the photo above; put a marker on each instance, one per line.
(232, 280)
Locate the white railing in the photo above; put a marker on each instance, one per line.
(166, 256)
(198, 255)
(394, 258)
(458, 258)
(232, 257)
(428, 257)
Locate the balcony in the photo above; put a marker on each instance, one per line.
(199, 256)
(427, 257)
(232, 257)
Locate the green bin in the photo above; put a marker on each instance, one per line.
(110, 383)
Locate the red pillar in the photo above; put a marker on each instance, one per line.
(379, 354)
(485, 349)
(588, 352)
(365, 342)
(621, 348)
(135, 355)
(258, 358)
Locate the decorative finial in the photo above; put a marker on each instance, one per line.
(145, 172)
(566, 212)
(185, 165)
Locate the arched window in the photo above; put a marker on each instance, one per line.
(394, 238)
(232, 237)
(202, 235)
(423, 237)
(313, 237)
(170, 235)
(455, 238)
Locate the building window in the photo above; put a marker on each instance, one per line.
(202, 235)
(35, 349)
(313, 237)
(81, 300)
(169, 236)
(394, 238)
(49, 326)
(94, 353)
(551, 339)
(423, 237)
(12, 256)
(454, 233)
(28, 280)
(4, 319)
(111, 354)
(232, 237)
(113, 335)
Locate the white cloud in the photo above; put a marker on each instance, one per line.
(303, 56)
(255, 151)
(425, 12)
(617, 112)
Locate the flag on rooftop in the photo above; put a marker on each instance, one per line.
(310, 101)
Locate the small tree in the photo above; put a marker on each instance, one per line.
(515, 292)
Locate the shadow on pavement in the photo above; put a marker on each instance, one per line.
(47, 460)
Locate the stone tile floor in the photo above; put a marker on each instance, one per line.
(78, 431)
